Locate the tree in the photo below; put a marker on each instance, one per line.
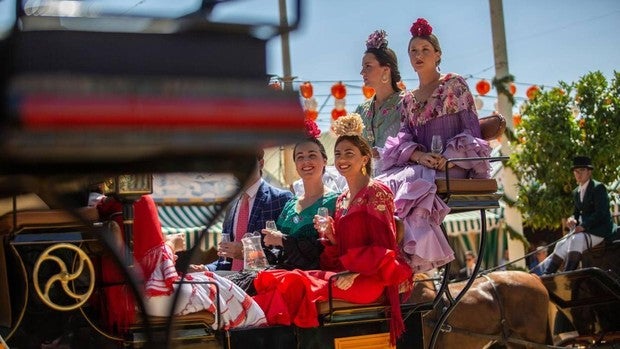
(581, 118)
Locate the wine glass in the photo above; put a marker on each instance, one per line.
(224, 238)
(323, 213)
(436, 144)
(271, 226)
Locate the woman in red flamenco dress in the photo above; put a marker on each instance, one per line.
(361, 239)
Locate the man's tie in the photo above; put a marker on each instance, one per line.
(242, 226)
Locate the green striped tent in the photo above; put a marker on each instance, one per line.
(191, 220)
(463, 231)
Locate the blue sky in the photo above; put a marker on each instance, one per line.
(547, 41)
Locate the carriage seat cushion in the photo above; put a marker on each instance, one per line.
(492, 126)
(467, 186)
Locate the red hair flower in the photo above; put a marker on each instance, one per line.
(421, 28)
(312, 129)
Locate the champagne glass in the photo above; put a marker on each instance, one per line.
(323, 213)
(224, 238)
(436, 144)
(271, 226)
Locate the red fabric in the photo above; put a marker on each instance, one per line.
(147, 241)
(366, 244)
(243, 215)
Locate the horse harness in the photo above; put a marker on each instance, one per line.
(503, 338)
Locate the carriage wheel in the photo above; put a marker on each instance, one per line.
(82, 264)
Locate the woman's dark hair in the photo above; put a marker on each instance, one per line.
(315, 141)
(387, 58)
(362, 145)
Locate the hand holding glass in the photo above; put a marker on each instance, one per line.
(224, 238)
(323, 220)
(436, 145)
(271, 226)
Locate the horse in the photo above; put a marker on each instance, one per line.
(508, 308)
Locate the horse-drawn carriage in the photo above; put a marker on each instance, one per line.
(80, 106)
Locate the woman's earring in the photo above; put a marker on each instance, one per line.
(364, 170)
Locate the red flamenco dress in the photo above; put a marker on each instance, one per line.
(366, 244)
(148, 242)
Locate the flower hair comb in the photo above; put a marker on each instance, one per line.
(312, 129)
(348, 125)
(377, 40)
(421, 28)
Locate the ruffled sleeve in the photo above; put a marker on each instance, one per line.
(398, 149)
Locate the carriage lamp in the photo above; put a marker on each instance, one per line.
(128, 188)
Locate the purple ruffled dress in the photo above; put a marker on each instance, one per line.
(450, 113)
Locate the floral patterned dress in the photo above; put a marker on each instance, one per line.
(450, 113)
(380, 124)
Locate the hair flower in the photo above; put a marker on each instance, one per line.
(348, 125)
(312, 129)
(377, 40)
(421, 28)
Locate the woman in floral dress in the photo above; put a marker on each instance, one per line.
(442, 105)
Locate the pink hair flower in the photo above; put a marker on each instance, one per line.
(377, 40)
(421, 28)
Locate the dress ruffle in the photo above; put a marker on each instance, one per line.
(464, 145)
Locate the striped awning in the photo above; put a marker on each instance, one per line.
(192, 221)
(464, 229)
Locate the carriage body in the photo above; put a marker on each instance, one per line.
(588, 299)
(79, 106)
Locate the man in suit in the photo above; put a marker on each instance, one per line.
(591, 222)
(470, 263)
(262, 202)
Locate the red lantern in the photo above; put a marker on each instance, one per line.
(483, 87)
(531, 92)
(512, 88)
(339, 90)
(336, 113)
(306, 89)
(311, 114)
(368, 91)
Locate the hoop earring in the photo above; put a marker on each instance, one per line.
(364, 170)
(384, 79)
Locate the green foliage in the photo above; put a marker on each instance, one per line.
(581, 118)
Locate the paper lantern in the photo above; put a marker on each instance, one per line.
(483, 87)
(478, 102)
(306, 89)
(368, 91)
(512, 88)
(339, 90)
(311, 114)
(531, 92)
(336, 113)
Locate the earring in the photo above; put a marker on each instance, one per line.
(384, 79)
(364, 170)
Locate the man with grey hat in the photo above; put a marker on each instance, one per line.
(590, 224)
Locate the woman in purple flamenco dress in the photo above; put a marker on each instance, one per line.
(441, 106)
